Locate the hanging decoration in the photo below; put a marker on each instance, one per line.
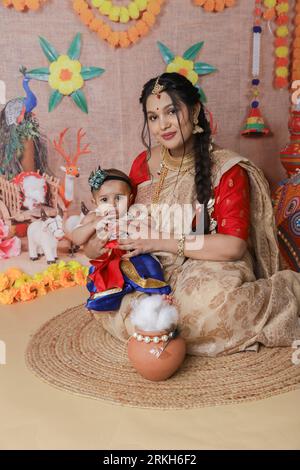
(144, 21)
(296, 45)
(214, 5)
(281, 44)
(255, 126)
(186, 66)
(65, 75)
(23, 5)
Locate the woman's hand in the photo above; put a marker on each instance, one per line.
(142, 238)
(95, 246)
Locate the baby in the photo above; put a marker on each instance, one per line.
(110, 278)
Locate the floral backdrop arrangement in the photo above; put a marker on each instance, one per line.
(140, 15)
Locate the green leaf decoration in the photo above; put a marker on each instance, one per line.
(49, 51)
(201, 68)
(55, 99)
(75, 47)
(167, 55)
(191, 53)
(80, 100)
(201, 94)
(39, 74)
(91, 72)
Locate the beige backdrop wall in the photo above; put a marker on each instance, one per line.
(114, 121)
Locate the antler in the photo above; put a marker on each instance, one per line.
(85, 150)
(59, 146)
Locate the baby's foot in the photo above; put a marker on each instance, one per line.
(169, 299)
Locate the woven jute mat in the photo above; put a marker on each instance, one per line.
(73, 352)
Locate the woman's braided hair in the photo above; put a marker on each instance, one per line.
(181, 90)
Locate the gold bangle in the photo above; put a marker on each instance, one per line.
(180, 246)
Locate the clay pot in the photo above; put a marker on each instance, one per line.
(290, 154)
(148, 364)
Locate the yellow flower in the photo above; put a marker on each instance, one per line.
(73, 265)
(183, 67)
(65, 75)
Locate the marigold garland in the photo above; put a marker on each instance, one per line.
(281, 44)
(214, 5)
(118, 13)
(23, 5)
(17, 286)
(119, 38)
(296, 45)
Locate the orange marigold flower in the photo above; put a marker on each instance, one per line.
(7, 297)
(66, 278)
(87, 17)
(28, 291)
(80, 278)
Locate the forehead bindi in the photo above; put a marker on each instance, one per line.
(154, 105)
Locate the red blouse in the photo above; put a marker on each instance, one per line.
(232, 197)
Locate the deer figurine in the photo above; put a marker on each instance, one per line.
(66, 190)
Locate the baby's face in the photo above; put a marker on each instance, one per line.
(113, 197)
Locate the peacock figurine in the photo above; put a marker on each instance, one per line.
(16, 108)
(18, 128)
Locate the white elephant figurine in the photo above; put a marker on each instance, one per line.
(44, 235)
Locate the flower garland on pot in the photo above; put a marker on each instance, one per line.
(214, 5)
(23, 5)
(143, 25)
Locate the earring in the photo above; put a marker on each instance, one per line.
(197, 129)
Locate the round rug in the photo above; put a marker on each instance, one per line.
(73, 352)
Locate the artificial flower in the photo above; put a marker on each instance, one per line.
(183, 67)
(65, 75)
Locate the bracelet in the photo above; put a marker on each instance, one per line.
(180, 248)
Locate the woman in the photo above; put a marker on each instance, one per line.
(230, 292)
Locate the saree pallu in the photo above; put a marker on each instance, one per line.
(224, 306)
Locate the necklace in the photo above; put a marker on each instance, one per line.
(169, 163)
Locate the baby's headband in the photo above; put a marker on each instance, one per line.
(98, 177)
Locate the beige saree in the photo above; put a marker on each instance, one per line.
(227, 306)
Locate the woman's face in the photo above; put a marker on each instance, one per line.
(163, 123)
